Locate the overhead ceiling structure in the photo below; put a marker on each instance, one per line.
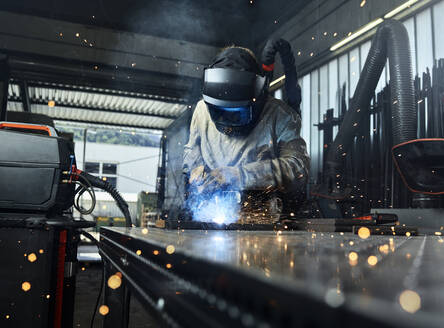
(95, 106)
(134, 64)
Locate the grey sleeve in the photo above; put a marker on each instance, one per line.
(289, 170)
(192, 156)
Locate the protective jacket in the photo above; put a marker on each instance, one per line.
(272, 155)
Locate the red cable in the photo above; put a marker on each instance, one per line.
(60, 278)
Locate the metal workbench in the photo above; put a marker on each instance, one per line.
(197, 278)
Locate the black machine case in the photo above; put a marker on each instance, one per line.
(31, 167)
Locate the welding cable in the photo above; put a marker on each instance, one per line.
(102, 281)
(106, 186)
(79, 192)
(84, 186)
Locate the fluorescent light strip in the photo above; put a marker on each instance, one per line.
(400, 8)
(277, 80)
(359, 32)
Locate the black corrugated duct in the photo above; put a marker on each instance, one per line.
(391, 41)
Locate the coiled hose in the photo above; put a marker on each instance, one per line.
(104, 185)
(391, 41)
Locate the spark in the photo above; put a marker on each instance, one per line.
(372, 260)
(32, 257)
(156, 252)
(410, 301)
(41, 251)
(362, 3)
(144, 231)
(51, 103)
(168, 266)
(114, 281)
(353, 256)
(138, 252)
(26, 286)
(104, 310)
(384, 248)
(364, 232)
(170, 249)
(77, 34)
(335, 34)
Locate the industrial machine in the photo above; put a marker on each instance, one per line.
(39, 184)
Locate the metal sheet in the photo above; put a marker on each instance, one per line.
(318, 266)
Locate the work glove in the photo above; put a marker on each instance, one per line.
(221, 178)
(197, 176)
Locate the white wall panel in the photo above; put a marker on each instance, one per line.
(438, 21)
(314, 119)
(305, 109)
(424, 41)
(410, 26)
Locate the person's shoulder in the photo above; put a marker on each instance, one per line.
(200, 108)
(200, 105)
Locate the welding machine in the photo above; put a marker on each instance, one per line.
(39, 181)
(32, 159)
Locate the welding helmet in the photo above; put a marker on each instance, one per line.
(234, 91)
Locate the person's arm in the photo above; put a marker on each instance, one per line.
(289, 171)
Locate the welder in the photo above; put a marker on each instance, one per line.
(241, 138)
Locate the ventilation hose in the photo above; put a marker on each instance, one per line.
(292, 89)
(391, 41)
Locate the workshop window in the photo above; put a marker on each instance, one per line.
(105, 171)
(92, 168)
(108, 168)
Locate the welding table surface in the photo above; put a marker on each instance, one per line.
(318, 264)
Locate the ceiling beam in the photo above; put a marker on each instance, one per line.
(98, 109)
(106, 92)
(109, 124)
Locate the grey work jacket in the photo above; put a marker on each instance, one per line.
(272, 155)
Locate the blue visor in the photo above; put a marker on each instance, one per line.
(231, 116)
